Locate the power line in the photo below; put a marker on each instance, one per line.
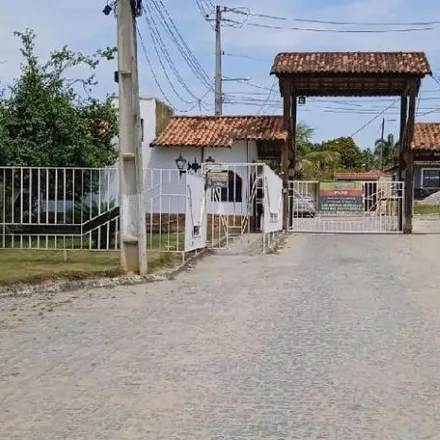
(160, 47)
(183, 47)
(342, 31)
(156, 80)
(374, 118)
(246, 57)
(337, 23)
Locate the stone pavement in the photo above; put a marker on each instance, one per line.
(335, 337)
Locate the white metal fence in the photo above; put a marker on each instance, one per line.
(74, 209)
(78, 208)
(346, 207)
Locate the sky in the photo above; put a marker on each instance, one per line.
(249, 52)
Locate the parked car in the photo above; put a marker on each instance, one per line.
(302, 205)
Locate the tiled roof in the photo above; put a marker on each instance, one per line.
(412, 63)
(370, 175)
(219, 131)
(426, 136)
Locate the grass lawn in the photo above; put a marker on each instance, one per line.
(426, 209)
(36, 266)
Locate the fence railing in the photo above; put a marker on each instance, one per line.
(78, 208)
(234, 201)
(346, 207)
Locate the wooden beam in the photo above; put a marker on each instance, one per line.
(403, 127)
(403, 123)
(287, 99)
(293, 113)
(409, 162)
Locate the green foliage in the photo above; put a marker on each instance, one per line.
(351, 156)
(369, 161)
(45, 121)
(386, 151)
(320, 165)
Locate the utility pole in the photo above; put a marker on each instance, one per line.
(218, 61)
(381, 146)
(132, 209)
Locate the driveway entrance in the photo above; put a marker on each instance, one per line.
(346, 207)
(335, 337)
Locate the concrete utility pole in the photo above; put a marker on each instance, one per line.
(218, 61)
(132, 226)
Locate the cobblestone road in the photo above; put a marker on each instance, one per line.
(336, 337)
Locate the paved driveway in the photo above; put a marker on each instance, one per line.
(337, 337)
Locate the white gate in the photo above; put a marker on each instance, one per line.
(273, 207)
(234, 201)
(346, 207)
(195, 224)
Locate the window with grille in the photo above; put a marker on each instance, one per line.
(431, 178)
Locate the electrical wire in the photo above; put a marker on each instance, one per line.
(246, 57)
(157, 39)
(337, 23)
(342, 31)
(160, 47)
(374, 118)
(176, 36)
(156, 80)
(269, 95)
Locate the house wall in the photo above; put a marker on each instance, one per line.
(164, 158)
(240, 152)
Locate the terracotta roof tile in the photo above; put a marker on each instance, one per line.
(413, 63)
(426, 136)
(219, 131)
(369, 175)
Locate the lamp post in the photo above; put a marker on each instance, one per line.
(181, 163)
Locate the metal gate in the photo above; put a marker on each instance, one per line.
(234, 201)
(346, 207)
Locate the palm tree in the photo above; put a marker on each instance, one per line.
(319, 165)
(386, 151)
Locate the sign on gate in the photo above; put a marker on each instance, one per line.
(341, 196)
(218, 179)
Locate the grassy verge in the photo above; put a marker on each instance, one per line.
(38, 266)
(426, 209)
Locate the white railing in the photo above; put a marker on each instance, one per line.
(346, 207)
(78, 208)
(234, 201)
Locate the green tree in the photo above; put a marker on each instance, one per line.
(48, 119)
(386, 151)
(320, 165)
(351, 157)
(45, 121)
(369, 161)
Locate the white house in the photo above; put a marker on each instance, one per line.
(234, 142)
(176, 146)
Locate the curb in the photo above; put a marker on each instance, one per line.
(25, 290)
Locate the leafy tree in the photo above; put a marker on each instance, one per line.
(350, 154)
(46, 122)
(318, 165)
(48, 119)
(369, 161)
(386, 151)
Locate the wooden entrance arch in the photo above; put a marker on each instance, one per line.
(355, 74)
